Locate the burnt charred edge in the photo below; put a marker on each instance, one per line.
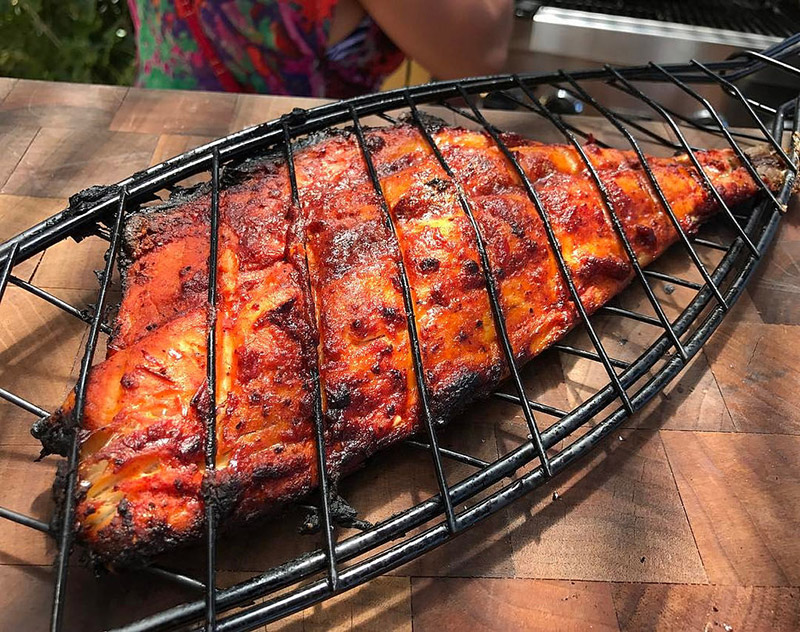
(179, 191)
(59, 491)
(177, 198)
(89, 197)
(83, 201)
(769, 166)
(345, 515)
(54, 432)
(451, 399)
(225, 492)
(342, 514)
(112, 546)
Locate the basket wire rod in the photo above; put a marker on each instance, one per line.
(388, 118)
(713, 130)
(764, 108)
(27, 521)
(67, 530)
(642, 318)
(102, 233)
(470, 117)
(709, 244)
(210, 446)
(555, 247)
(734, 91)
(453, 455)
(576, 130)
(318, 415)
(589, 355)
(657, 137)
(661, 140)
(663, 276)
(688, 121)
(779, 49)
(5, 273)
(23, 403)
(84, 315)
(654, 184)
(615, 221)
(537, 406)
(459, 111)
(690, 153)
(413, 334)
(776, 63)
(638, 72)
(177, 578)
(683, 118)
(492, 289)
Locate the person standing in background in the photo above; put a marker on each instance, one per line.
(319, 48)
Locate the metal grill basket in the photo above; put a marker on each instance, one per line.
(718, 264)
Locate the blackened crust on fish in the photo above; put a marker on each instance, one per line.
(54, 433)
(769, 165)
(90, 197)
(452, 399)
(225, 492)
(59, 490)
(150, 540)
(314, 293)
(85, 200)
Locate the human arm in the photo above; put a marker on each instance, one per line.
(449, 38)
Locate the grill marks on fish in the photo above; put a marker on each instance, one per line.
(317, 288)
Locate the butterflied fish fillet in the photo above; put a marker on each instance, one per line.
(319, 286)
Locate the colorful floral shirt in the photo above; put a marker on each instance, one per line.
(267, 46)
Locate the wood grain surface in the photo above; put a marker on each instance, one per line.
(686, 519)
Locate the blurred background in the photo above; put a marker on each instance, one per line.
(93, 41)
(85, 41)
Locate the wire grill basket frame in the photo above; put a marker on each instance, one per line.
(232, 608)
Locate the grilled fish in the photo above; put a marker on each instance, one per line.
(315, 289)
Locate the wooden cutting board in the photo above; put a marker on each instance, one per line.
(686, 520)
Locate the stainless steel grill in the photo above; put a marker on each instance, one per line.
(775, 19)
(574, 34)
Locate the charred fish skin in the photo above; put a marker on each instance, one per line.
(315, 290)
